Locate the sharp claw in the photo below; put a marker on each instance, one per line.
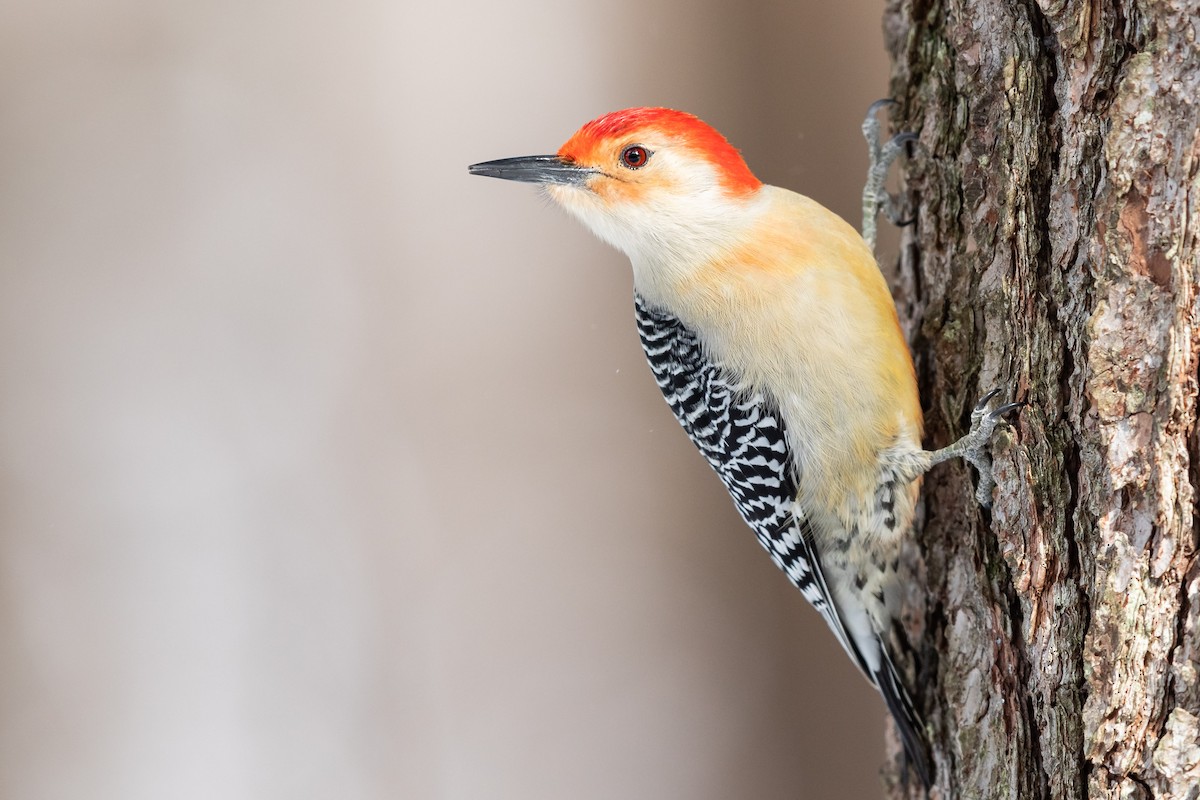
(878, 104)
(987, 398)
(893, 215)
(901, 139)
(1005, 409)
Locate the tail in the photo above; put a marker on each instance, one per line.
(908, 721)
(866, 648)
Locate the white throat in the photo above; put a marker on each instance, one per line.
(667, 238)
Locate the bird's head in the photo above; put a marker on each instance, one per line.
(655, 183)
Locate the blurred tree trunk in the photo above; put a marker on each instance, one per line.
(1055, 255)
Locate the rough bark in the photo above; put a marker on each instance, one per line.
(1055, 254)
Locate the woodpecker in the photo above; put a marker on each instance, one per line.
(775, 340)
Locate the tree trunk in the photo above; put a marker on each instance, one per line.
(1055, 255)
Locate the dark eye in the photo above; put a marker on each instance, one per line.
(635, 156)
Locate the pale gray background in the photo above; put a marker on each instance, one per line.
(329, 471)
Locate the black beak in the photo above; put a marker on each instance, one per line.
(534, 169)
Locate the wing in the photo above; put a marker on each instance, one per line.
(743, 437)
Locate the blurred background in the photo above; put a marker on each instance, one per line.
(327, 470)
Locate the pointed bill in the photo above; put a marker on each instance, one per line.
(534, 169)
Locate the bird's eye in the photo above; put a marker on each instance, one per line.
(635, 156)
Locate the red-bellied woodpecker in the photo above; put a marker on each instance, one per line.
(774, 338)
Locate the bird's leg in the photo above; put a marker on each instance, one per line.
(875, 196)
(974, 446)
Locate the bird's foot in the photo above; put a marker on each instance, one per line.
(974, 447)
(875, 196)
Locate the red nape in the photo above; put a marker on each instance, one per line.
(690, 130)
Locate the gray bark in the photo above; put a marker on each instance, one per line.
(1055, 254)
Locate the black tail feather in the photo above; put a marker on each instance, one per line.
(908, 720)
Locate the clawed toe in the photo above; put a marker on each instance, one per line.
(1007, 408)
(896, 219)
(895, 145)
(978, 451)
(878, 104)
(982, 406)
(870, 126)
(974, 447)
(875, 197)
(983, 419)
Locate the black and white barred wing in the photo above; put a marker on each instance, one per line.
(742, 437)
